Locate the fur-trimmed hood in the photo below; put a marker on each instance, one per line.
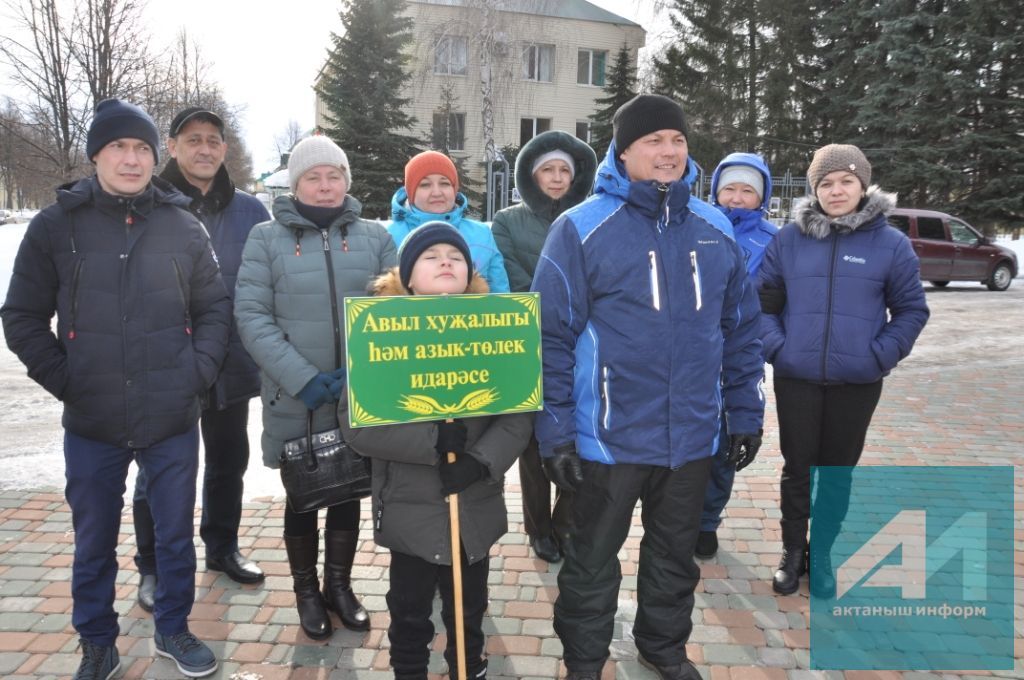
(582, 182)
(389, 284)
(811, 221)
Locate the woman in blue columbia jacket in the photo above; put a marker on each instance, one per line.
(854, 308)
(430, 194)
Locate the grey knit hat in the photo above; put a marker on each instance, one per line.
(314, 151)
(833, 157)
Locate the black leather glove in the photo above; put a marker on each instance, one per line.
(458, 476)
(563, 467)
(743, 449)
(772, 300)
(451, 438)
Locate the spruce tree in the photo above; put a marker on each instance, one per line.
(361, 85)
(620, 87)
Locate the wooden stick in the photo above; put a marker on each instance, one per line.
(460, 629)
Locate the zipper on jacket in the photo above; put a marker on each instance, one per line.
(74, 296)
(607, 398)
(334, 298)
(378, 519)
(184, 297)
(695, 270)
(655, 289)
(662, 223)
(828, 307)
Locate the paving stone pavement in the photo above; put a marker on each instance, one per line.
(929, 415)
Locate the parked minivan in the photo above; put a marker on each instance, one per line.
(952, 250)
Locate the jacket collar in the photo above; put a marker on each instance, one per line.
(285, 212)
(402, 210)
(88, 191)
(816, 224)
(649, 197)
(214, 201)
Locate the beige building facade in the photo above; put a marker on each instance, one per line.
(548, 63)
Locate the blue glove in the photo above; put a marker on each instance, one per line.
(337, 384)
(317, 391)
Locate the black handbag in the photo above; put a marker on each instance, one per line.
(321, 470)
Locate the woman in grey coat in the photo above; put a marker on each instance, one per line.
(295, 272)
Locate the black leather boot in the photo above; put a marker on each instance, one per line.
(822, 579)
(303, 552)
(341, 550)
(793, 564)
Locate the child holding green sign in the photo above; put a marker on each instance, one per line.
(412, 478)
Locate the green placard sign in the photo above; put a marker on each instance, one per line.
(428, 357)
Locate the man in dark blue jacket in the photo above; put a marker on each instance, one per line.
(649, 323)
(142, 328)
(196, 169)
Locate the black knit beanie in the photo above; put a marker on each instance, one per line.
(421, 238)
(644, 114)
(115, 119)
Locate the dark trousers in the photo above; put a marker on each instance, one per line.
(819, 425)
(411, 603)
(589, 580)
(96, 474)
(720, 482)
(226, 443)
(539, 519)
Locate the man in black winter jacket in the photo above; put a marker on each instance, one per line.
(197, 148)
(142, 328)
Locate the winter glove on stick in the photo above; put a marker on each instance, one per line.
(563, 468)
(743, 449)
(772, 300)
(317, 391)
(451, 438)
(460, 475)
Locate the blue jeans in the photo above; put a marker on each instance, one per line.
(226, 441)
(96, 474)
(719, 484)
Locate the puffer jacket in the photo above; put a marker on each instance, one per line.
(486, 257)
(228, 214)
(289, 305)
(520, 230)
(854, 301)
(648, 322)
(142, 312)
(409, 510)
(753, 232)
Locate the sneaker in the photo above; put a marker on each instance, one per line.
(192, 656)
(707, 545)
(98, 663)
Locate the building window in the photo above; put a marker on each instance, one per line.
(538, 62)
(583, 130)
(590, 67)
(450, 55)
(531, 127)
(448, 131)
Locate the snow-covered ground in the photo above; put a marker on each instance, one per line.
(967, 319)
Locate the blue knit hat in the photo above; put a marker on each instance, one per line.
(115, 119)
(421, 238)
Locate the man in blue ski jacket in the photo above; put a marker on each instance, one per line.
(650, 331)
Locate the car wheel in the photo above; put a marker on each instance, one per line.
(939, 284)
(1001, 277)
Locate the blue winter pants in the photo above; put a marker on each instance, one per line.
(719, 484)
(96, 474)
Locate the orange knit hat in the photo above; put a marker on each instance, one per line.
(428, 163)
